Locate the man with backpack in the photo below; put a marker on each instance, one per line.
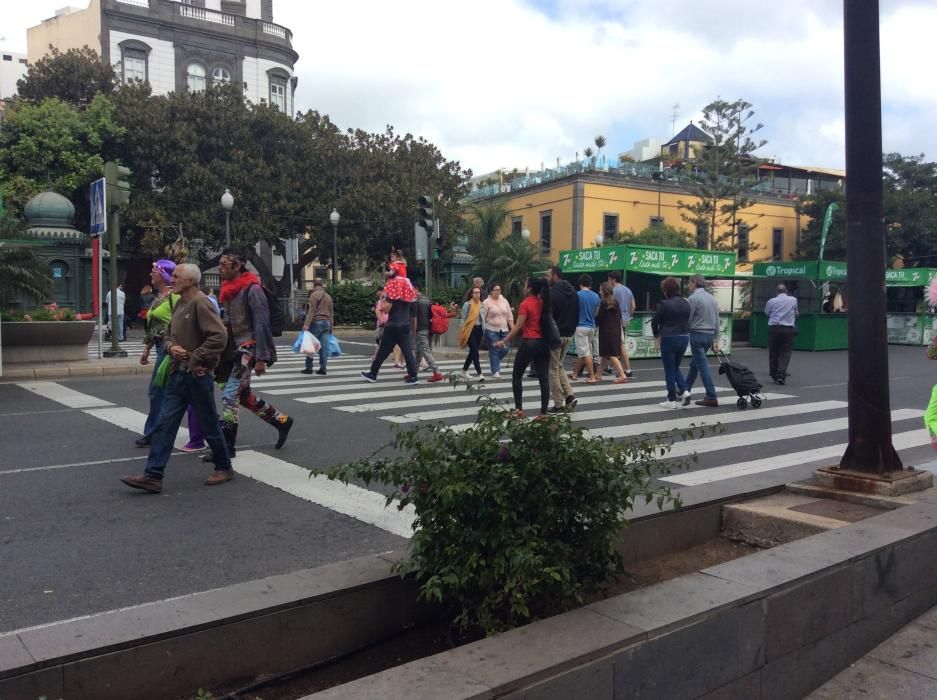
(565, 305)
(421, 326)
(253, 318)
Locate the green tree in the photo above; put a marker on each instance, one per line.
(22, 272)
(74, 77)
(54, 146)
(813, 209)
(510, 261)
(910, 209)
(663, 235)
(723, 173)
(485, 225)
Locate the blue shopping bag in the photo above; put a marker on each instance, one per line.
(297, 344)
(335, 350)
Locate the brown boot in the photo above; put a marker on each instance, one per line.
(219, 476)
(144, 483)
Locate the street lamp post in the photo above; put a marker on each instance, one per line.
(334, 218)
(227, 203)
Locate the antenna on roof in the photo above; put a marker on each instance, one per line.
(673, 117)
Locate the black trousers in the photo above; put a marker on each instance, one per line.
(395, 335)
(780, 344)
(474, 345)
(536, 351)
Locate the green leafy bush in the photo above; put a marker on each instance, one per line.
(39, 315)
(515, 519)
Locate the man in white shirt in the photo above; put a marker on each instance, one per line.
(782, 315)
(121, 300)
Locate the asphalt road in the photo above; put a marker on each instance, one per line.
(74, 541)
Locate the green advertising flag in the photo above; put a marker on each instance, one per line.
(827, 220)
(678, 261)
(593, 259)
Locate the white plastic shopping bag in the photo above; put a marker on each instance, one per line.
(310, 345)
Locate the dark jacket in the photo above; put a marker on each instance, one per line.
(565, 305)
(672, 318)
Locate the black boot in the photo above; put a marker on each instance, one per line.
(283, 431)
(230, 433)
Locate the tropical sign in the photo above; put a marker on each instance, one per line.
(809, 269)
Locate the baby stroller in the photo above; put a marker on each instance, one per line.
(743, 380)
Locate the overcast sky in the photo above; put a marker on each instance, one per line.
(513, 83)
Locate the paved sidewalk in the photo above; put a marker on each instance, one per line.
(903, 666)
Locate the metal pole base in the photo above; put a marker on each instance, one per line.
(115, 353)
(893, 483)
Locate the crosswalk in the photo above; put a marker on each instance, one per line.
(783, 429)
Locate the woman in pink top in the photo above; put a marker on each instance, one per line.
(498, 320)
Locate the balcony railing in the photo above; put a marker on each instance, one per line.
(512, 182)
(138, 3)
(274, 29)
(205, 15)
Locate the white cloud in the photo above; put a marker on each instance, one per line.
(511, 83)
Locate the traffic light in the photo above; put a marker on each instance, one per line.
(118, 190)
(425, 213)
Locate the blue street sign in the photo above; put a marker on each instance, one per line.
(98, 208)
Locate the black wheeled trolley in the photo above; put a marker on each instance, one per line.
(743, 380)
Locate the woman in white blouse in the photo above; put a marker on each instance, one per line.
(498, 322)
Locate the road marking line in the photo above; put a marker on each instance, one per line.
(132, 420)
(63, 395)
(577, 415)
(694, 420)
(781, 432)
(900, 441)
(356, 502)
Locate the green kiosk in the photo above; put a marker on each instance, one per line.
(643, 267)
(806, 280)
(822, 327)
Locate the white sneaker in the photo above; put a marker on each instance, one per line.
(478, 377)
(669, 404)
(496, 375)
(686, 397)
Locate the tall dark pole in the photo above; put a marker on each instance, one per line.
(870, 448)
(113, 235)
(227, 228)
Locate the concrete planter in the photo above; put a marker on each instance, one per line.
(45, 341)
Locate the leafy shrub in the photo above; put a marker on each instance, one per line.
(39, 315)
(515, 519)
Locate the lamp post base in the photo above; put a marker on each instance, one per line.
(894, 483)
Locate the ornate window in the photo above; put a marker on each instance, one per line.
(195, 76)
(133, 60)
(278, 94)
(221, 75)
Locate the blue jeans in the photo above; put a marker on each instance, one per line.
(321, 330)
(672, 348)
(183, 389)
(495, 355)
(156, 394)
(699, 345)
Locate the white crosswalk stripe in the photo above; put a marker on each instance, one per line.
(785, 424)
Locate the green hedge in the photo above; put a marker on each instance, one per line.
(353, 302)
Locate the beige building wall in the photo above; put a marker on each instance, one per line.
(529, 206)
(71, 31)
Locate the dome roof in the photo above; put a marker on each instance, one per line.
(49, 209)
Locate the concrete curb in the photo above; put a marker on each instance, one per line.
(75, 370)
(271, 625)
(775, 624)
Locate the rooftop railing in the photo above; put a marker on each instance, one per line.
(204, 15)
(138, 3)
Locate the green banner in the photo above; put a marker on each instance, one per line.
(678, 261)
(832, 271)
(909, 277)
(786, 270)
(827, 220)
(593, 259)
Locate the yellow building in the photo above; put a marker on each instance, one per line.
(570, 211)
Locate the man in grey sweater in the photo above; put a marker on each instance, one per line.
(704, 328)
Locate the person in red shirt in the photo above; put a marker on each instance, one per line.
(533, 349)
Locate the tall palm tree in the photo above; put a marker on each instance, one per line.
(21, 270)
(486, 226)
(510, 262)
